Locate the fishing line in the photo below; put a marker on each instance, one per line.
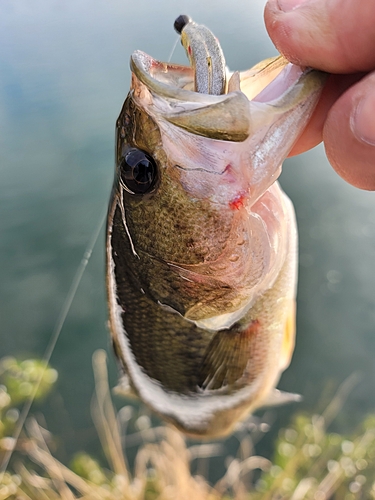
(173, 49)
(12, 442)
(52, 343)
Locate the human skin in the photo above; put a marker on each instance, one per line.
(336, 36)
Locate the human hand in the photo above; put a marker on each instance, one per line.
(336, 36)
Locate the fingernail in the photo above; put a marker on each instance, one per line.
(287, 5)
(362, 121)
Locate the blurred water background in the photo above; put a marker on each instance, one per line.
(64, 73)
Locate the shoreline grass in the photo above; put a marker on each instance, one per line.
(310, 462)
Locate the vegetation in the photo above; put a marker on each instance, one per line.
(309, 463)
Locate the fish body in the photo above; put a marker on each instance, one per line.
(202, 241)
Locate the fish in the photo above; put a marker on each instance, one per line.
(201, 241)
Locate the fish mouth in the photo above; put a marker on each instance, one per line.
(272, 87)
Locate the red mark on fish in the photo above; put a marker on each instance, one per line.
(237, 202)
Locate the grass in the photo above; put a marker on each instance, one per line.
(309, 462)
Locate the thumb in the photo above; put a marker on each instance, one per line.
(336, 36)
(349, 134)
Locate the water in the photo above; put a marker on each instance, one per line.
(64, 73)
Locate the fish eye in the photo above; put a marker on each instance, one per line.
(138, 171)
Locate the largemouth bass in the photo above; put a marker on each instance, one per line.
(201, 240)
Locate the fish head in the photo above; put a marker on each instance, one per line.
(195, 177)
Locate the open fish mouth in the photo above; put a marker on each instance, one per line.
(274, 83)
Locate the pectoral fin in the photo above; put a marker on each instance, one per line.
(124, 387)
(229, 362)
(277, 398)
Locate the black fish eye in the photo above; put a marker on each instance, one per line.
(138, 171)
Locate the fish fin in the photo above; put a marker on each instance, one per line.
(228, 358)
(124, 387)
(288, 344)
(277, 398)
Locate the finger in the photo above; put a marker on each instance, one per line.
(349, 134)
(336, 36)
(313, 133)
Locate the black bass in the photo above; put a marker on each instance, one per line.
(201, 240)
